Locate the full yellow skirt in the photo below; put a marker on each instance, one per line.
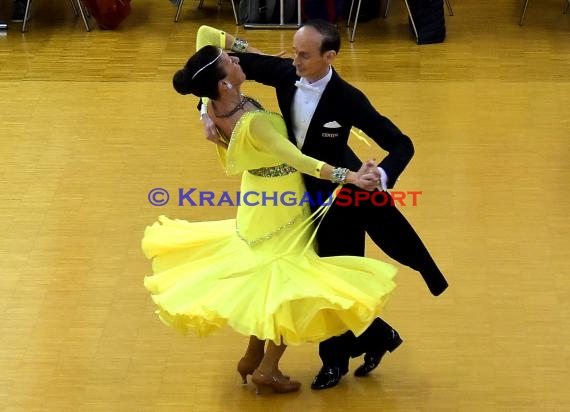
(206, 277)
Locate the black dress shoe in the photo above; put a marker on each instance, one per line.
(327, 377)
(372, 359)
(394, 341)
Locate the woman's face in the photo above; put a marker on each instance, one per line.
(234, 73)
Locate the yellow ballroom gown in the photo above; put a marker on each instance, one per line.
(259, 273)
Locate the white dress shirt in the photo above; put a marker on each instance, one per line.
(305, 102)
(303, 108)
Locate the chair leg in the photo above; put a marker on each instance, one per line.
(449, 9)
(85, 9)
(26, 14)
(200, 5)
(82, 12)
(387, 7)
(523, 12)
(178, 10)
(412, 20)
(74, 8)
(355, 21)
(350, 13)
(235, 12)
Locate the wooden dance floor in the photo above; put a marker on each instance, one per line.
(90, 124)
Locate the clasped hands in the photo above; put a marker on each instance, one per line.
(368, 176)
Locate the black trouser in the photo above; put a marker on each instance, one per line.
(392, 233)
(342, 232)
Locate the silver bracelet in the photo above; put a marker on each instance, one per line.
(239, 45)
(339, 175)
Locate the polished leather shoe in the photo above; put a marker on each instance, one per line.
(372, 359)
(327, 377)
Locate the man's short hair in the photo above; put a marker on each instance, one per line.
(329, 31)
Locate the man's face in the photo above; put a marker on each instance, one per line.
(308, 60)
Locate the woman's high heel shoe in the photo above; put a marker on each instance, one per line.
(276, 382)
(246, 367)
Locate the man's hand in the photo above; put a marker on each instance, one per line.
(368, 177)
(211, 131)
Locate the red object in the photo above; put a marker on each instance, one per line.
(109, 13)
(328, 10)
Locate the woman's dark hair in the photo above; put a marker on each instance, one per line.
(331, 36)
(201, 74)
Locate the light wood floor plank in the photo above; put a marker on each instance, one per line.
(90, 124)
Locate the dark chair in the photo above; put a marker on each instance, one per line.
(449, 9)
(78, 8)
(181, 2)
(565, 10)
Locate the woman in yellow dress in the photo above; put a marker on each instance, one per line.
(259, 273)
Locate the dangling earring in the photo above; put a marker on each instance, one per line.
(229, 85)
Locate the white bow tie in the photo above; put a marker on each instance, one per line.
(306, 86)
